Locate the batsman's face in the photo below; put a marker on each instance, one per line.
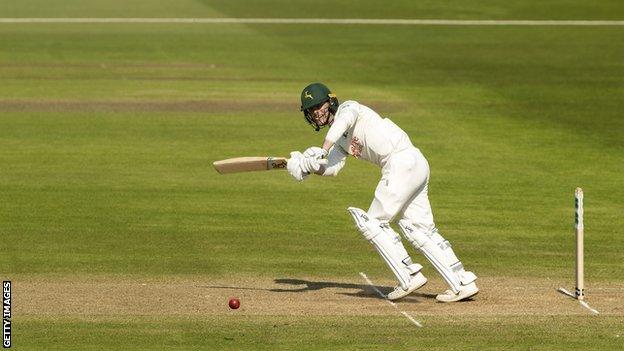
(320, 114)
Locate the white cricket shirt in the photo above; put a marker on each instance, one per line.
(361, 132)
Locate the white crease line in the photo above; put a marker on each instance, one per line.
(583, 303)
(388, 21)
(564, 291)
(411, 319)
(407, 315)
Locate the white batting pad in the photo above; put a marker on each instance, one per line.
(388, 244)
(440, 253)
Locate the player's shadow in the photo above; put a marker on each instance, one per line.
(365, 291)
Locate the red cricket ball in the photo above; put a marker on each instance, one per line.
(234, 303)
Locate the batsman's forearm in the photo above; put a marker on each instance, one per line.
(327, 144)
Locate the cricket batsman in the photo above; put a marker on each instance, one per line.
(357, 130)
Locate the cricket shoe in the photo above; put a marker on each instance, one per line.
(416, 282)
(467, 291)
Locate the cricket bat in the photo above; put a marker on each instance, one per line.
(250, 164)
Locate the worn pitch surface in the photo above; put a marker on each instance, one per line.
(297, 296)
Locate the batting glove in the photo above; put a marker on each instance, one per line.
(294, 166)
(312, 165)
(315, 151)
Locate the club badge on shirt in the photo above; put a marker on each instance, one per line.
(355, 148)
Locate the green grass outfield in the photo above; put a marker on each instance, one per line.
(108, 132)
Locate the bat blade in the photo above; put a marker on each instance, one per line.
(249, 164)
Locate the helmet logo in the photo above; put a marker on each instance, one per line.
(307, 95)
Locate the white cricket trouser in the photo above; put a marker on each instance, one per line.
(403, 190)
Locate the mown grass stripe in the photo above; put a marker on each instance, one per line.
(349, 21)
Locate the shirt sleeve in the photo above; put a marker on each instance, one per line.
(335, 161)
(345, 119)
